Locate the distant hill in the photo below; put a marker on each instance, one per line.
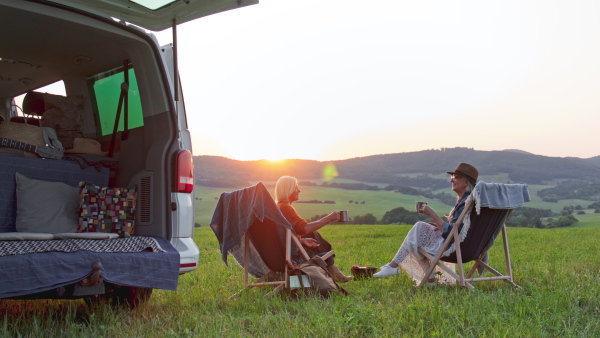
(518, 151)
(594, 160)
(520, 166)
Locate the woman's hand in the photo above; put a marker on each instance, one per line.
(334, 216)
(427, 210)
(316, 225)
(437, 221)
(309, 243)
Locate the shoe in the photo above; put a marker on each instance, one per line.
(432, 282)
(338, 275)
(386, 271)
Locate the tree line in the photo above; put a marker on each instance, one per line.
(571, 189)
(523, 217)
(520, 167)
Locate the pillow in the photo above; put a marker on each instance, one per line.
(63, 114)
(25, 236)
(86, 235)
(46, 207)
(110, 210)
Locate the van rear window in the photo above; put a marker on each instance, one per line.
(106, 96)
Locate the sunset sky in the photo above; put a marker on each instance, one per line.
(336, 79)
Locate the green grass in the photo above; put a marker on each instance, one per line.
(558, 270)
(587, 221)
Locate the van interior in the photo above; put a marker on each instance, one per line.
(89, 62)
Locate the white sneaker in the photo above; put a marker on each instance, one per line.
(387, 271)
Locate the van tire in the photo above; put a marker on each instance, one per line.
(121, 296)
(134, 296)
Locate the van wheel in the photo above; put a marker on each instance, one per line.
(121, 296)
(134, 296)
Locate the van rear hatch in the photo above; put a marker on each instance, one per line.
(156, 15)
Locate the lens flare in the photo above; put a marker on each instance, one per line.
(329, 172)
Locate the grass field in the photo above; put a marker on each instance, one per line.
(558, 270)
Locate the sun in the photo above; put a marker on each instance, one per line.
(253, 154)
(254, 149)
(274, 159)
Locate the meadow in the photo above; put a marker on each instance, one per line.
(376, 202)
(558, 271)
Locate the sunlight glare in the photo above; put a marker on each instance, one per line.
(274, 160)
(330, 172)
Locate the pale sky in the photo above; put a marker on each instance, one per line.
(336, 79)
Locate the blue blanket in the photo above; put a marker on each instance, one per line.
(233, 216)
(36, 272)
(500, 196)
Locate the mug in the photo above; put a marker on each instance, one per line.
(419, 205)
(343, 215)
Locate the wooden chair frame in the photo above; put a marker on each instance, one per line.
(466, 280)
(289, 266)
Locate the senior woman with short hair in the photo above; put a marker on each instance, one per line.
(431, 236)
(287, 191)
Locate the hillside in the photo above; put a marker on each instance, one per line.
(519, 166)
(594, 160)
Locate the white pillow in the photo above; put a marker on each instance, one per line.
(48, 207)
(24, 236)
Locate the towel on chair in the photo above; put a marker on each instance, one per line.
(233, 216)
(500, 196)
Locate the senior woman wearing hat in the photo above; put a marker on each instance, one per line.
(431, 236)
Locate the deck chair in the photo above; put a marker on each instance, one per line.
(250, 227)
(484, 216)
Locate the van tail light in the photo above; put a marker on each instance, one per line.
(185, 172)
(187, 265)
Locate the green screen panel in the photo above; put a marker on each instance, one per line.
(107, 91)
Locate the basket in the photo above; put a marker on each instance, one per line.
(362, 272)
(24, 133)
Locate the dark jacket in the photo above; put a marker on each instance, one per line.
(458, 209)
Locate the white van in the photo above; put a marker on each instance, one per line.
(112, 72)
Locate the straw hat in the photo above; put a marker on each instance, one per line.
(467, 171)
(86, 146)
(24, 133)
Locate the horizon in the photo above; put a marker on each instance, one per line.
(306, 159)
